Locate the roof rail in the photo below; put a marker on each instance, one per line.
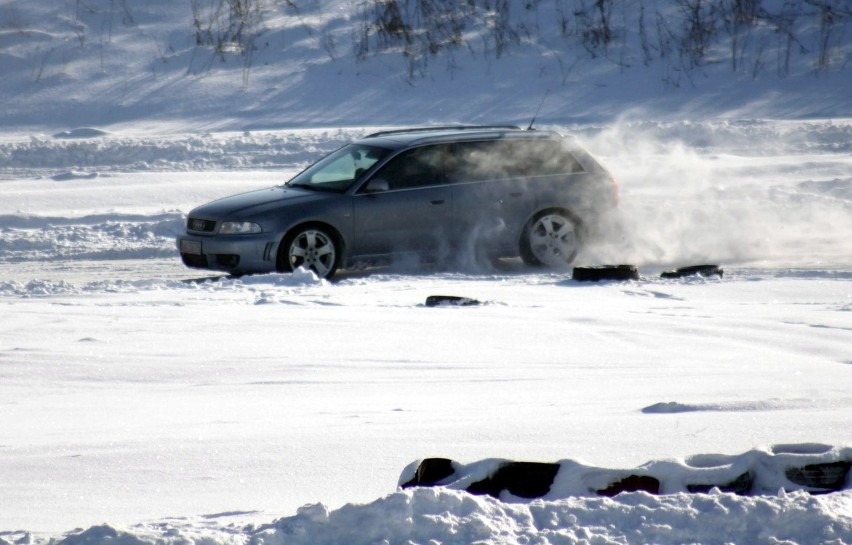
(443, 128)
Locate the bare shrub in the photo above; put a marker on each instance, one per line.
(833, 17)
(227, 25)
(422, 29)
(594, 25)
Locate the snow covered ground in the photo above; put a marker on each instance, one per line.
(142, 402)
(138, 394)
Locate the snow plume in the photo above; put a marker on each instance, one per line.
(749, 192)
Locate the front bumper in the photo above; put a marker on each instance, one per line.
(235, 254)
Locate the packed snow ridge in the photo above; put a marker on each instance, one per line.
(430, 516)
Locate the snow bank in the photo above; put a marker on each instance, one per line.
(101, 237)
(68, 158)
(446, 517)
(432, 517)
(82, 132)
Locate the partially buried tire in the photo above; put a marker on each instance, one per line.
(450, 300)
(606, 272)
(694, 270)
(311, 247)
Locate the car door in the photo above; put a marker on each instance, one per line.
(405, 207)
(491, 199)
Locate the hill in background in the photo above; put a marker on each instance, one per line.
(249, 64)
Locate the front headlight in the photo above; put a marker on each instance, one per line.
(239, 228)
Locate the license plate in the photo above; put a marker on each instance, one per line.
(190, 247)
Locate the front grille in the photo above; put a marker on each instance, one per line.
(228, 260)
(200, 225)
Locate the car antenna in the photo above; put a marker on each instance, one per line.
(530, 128)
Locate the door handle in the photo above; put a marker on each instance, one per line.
(437, 201)
(517, 193)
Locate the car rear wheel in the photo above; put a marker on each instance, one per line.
(313, 248)
(551, 239)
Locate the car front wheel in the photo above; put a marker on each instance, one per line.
(312, 248)
(551, 239)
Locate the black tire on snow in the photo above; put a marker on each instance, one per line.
(605, 272)
(827, 477)
(523, 479)
(700, 270)
(450, 300)
(430, 472)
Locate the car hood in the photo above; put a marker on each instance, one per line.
(246, 204)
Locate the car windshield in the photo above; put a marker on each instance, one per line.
(339, 170)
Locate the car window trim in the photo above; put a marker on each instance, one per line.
(360, 193)
(512, 178)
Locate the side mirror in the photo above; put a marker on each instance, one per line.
(376, 185)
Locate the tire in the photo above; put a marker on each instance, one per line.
(430, 472)
(700, 270)
(450, 300)
(551, 239)
(606, 272)
(825, 477)
(312, 247)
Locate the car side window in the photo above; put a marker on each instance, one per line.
(550, 157)
(474, 161)
(418, 167)
(505, 159)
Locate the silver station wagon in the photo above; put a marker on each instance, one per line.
(453, 195)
